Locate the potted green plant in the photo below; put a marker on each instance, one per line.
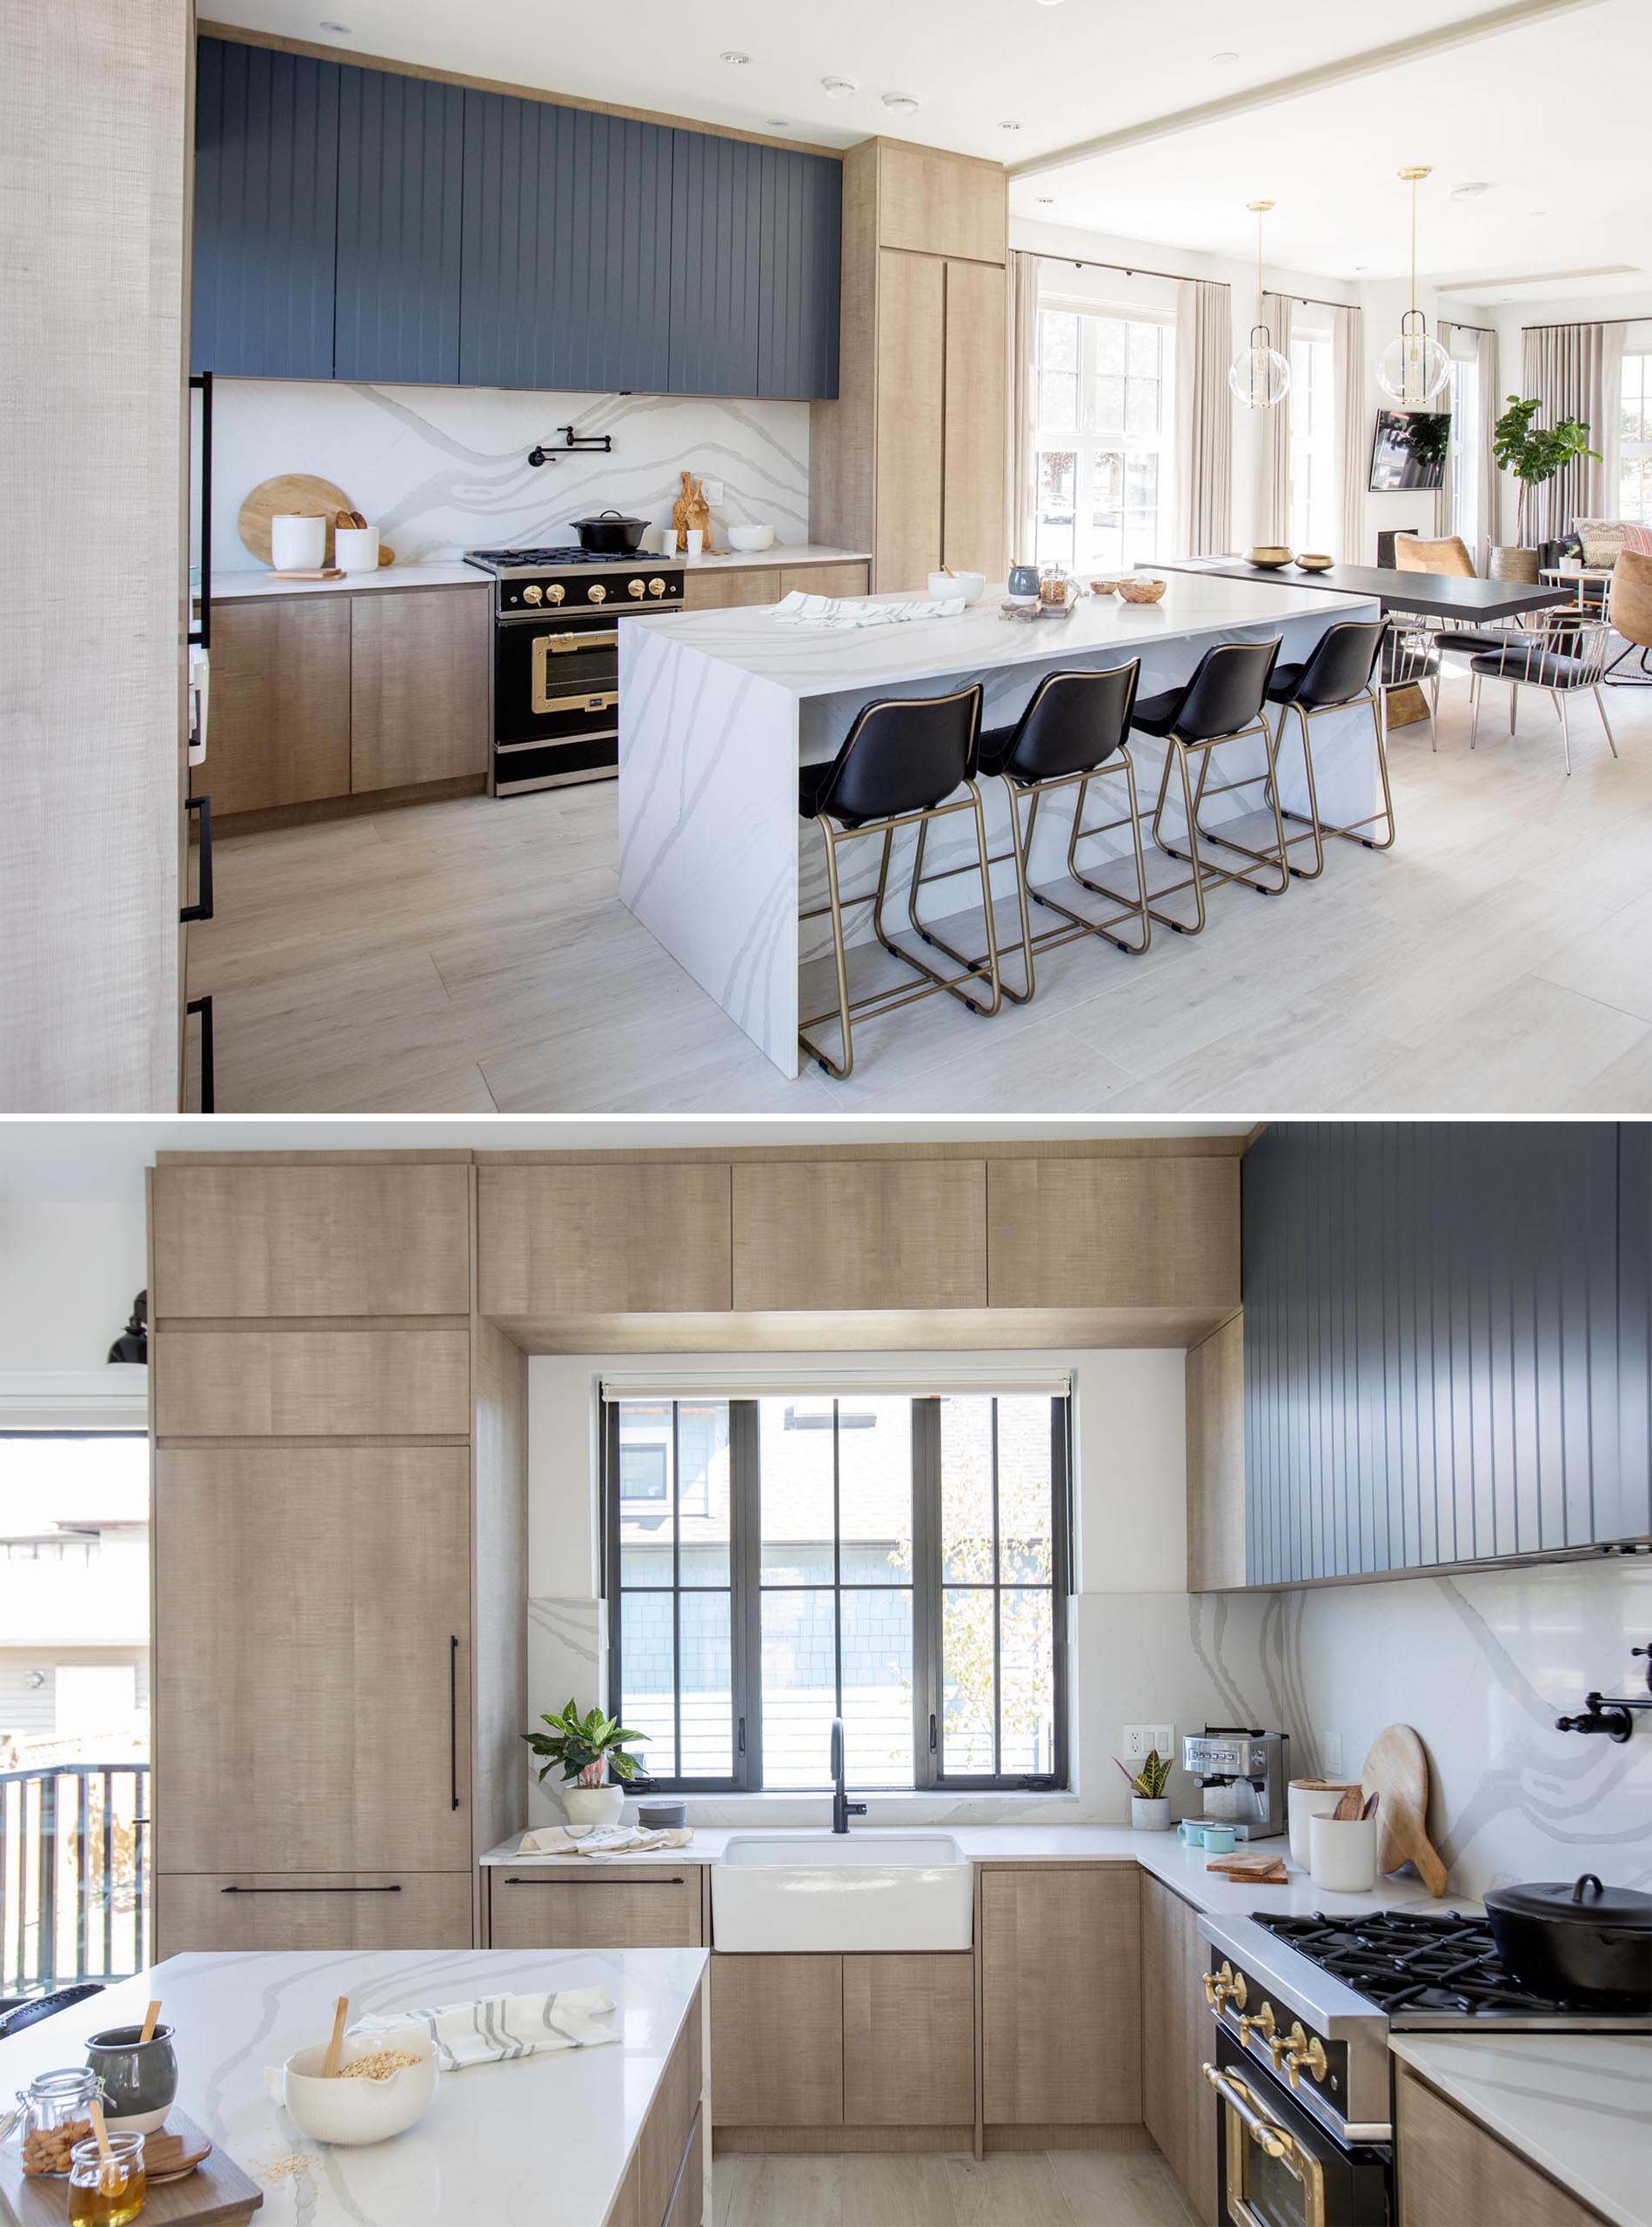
(1149, 1803)
(591, 1750)
(1532, 453)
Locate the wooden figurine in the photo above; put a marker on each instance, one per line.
(691, 513)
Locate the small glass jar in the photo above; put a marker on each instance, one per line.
(107, 2191)
(55, 2114)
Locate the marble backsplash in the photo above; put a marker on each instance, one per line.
(442, 470)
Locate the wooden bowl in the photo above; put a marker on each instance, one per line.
(1143, 591)
(1270, 557)
(1104, 587)
(1312, 561)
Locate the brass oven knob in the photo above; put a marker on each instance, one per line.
(533, 595)
(656, 587)
(636, 591)
(596, 595)
(1294, 2051)
(555, 593)
(1225, 1987)
(1261, 2022)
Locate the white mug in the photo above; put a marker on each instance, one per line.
(356, 548)
(1342, 1853)
(1304, 1799)
(298, 544)
(696, 541)
(668, 541)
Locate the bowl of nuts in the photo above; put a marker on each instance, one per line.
(384, 2085)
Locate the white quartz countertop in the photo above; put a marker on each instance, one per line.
(1164, 1855)
(808, 662)
(808, 552)
(239, 587)
(546, 2137)
(1578, 2106)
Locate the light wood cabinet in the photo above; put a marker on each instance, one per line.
(388, 1239)
(301, 1911)
(777, 2040)
(909, 2040)
(937, 204)
(280, 728)
(727, 589)
(630, 1910)
(643, 1238)
(418, 688)
(270, 1383)
(824, 579)
(664, 2183)
(312, 1658)
(1114, 1233)
(860, 1234)
(1060, 1954)
(1215, 1405)
(1177, 2037)
(1454, 2173)
(977, 369)
(912, 417)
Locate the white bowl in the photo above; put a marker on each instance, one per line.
(351, 2112)
(957, 587)
(748, 540)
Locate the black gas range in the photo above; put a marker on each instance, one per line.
(555, 690)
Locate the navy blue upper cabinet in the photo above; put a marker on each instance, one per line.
(266, 195)
(1631, 1516)
(801, 269)
(566, 248)
(1431, 1334)
(401, 166)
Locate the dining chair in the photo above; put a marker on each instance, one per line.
(1561, 654)
(1445, 557)
(1630, 614)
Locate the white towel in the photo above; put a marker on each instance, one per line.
(829, 615)
(601, 1840)
(499, 2027)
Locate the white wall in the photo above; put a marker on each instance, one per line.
(68, 1274)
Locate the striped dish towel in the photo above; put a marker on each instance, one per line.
(500, 2027)
(602, 1840)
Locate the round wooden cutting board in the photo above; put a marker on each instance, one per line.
(294, 492)
(1397, 1768)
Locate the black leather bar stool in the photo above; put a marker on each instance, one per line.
(1339, 672)
(1071, 734)
(1223, 703)
(902, 765)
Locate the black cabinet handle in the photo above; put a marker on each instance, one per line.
(209, 1087)
(585, 1879)
(452, 1717)
(309, 1891)
(202, 808)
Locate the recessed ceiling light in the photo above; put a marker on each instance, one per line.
(1471, 191)
(1049, 3)
(900, 104)
(1009, 127)
(1047, 201)
(1225, 60)
(779, 123)
(1537, 212)
(735, 59)
(839, 89)
(343, 28)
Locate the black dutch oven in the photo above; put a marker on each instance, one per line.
(610, 535)
(1584, 1942)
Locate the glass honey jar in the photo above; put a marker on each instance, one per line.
(107, 2191)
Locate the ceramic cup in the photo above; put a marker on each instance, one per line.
(1306, 1798)
(1191, 1832)
(696, 541)
(139, 2077)
(356, 548)
(298, 544)
(1342, 1853)
(1220, 1839)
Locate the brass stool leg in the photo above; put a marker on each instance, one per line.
(1278, 857)
(1023, 850)
(986, 908)
(1176, 757)
(1137, 906)
(935, 941)
(835, 902)
(1312, 872)
(972, 967)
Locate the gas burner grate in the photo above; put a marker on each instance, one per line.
(514, 560)
(1402, 1960)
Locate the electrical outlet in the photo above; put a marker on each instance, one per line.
(1331, 1754)
(1139, 1739)
(713, 493)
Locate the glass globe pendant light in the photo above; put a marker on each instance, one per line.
(1260, 376)
(1413, 369)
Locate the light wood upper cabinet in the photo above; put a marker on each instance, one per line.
(1215, 1403)
(912, 425)
(1060, 1995)
(1114, 1233)
(860, 1234)
(280, 703)
(643, 1238)
(1178, 2035)
(388, 1239)
(257, 1383)
(976, 410)
(418, 699)
(937, 204)
(297, 1911)
(1454, 2173)
(777, 2040)
(540, 1909)
(312, 1712)
(909, 2040)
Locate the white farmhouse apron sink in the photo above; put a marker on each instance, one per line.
(827, 1892)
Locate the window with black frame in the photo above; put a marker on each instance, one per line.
(899, 1562)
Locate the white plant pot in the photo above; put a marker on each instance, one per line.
(1150, 1816)
(587, 1806)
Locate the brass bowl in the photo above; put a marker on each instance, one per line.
(1312, 561)
(1143, 591)
(1269, 558)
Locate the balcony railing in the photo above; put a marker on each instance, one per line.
(74, 1892)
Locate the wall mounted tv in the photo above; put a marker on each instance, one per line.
(1409, 451)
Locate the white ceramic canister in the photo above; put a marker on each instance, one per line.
(356, 548)
(298, 544)
(1342, 1853)
(1306, 1798)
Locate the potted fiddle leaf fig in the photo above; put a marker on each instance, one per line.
(1533, 454)
(591, 1752)
(1149, 1803)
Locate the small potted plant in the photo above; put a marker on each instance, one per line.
(592, 1751)
(1149, 1803)
(1533, 454)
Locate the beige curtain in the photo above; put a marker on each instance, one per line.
(1567, 367)
(1204, 420)
(1355, 434)
(1023, 513)
(1277, 312)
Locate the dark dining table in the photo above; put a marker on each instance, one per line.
(1422, 595)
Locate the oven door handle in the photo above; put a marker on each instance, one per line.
(1274, 2140)
(562, 645)
(1239, 2099)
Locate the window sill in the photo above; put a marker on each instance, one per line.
(907, 1808)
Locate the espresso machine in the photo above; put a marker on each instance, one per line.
(1243, 1775)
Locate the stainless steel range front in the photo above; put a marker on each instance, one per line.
(555, 692)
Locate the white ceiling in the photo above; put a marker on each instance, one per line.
(1549, 115)
(91, 1161)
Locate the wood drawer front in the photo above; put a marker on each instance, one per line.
(937, 204)
(826, 579)
(888, 1233)
(419, 685)
(730, 590)
(1114, 1233)
(688, 2197)
(268, 1241)
(908, 2040)
(624, 1241)
(777, 2040)
(533, 1909)
(312, 1909)
(1060, 1996)
(280, 704)
(1454, 2173)
(311, 1383)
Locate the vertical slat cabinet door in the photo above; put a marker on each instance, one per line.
(401, 145)
(266, 198)
(614, 324)
(800, 253)
(1626, 1512)
(501, 259)
(716, 265)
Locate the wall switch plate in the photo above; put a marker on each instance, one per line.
(714, 490)
(1140, 1739)
(1331, 1754)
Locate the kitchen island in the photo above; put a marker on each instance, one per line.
(546, 2137)
(719, 710)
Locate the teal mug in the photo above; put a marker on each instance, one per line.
(1220, 1839)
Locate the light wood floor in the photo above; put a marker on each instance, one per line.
(474, 957)
(1064, 2188)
